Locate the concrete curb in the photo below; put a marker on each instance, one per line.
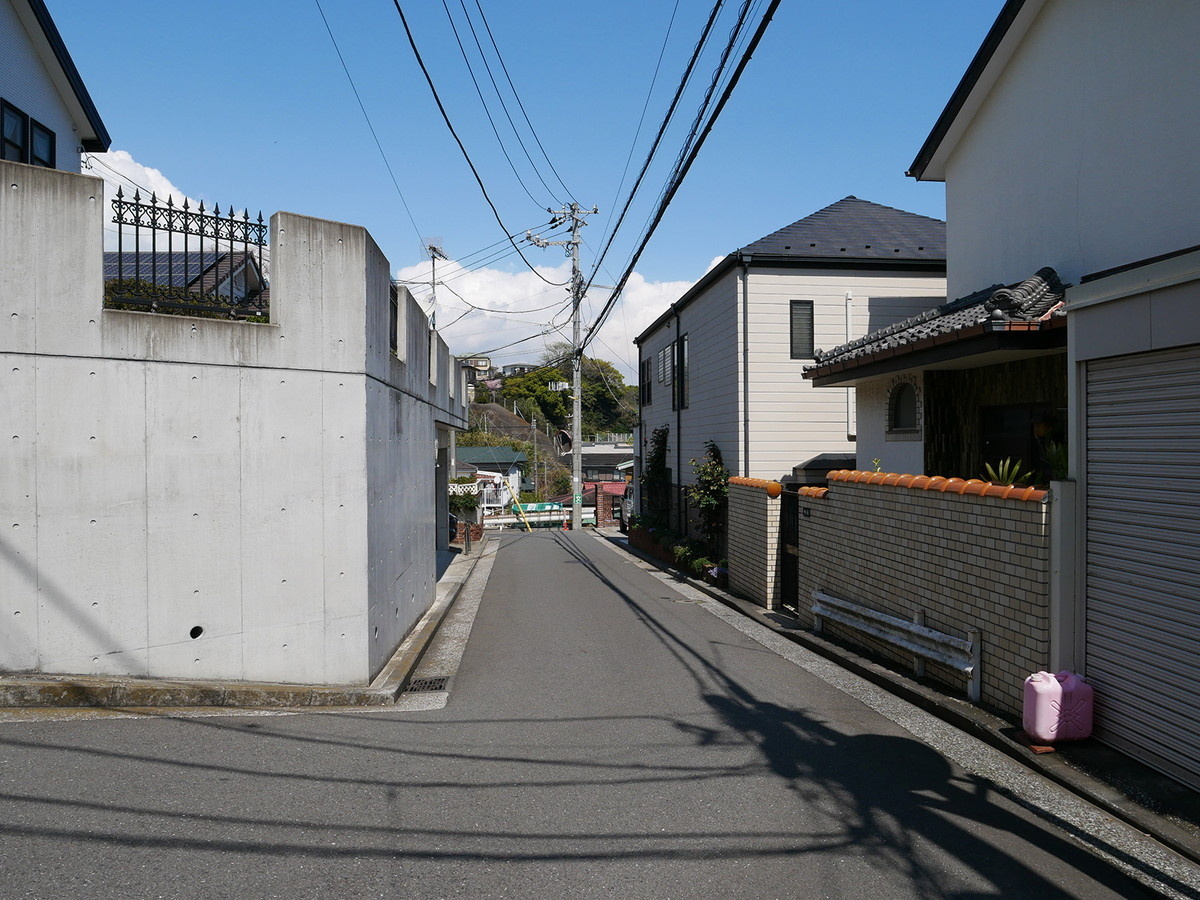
(48, 691)
(978, 723)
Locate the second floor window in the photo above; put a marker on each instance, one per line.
(23, 139)
(802, 329)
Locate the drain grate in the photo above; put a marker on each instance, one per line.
(425, 685)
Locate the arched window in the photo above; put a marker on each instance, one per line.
(902, 409)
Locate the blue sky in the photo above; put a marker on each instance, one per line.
(247, 103)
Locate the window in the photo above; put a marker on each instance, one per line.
(682, 380)
(902, 410)
(802, 329)
(666, 363)
(645, 379)
(23, 139)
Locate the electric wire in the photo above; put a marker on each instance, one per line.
(475, 172)
(487, 112)
(637, 132)
(370, 126)
(517, 96)
(671, 108)
(504, 106)
(683, 170)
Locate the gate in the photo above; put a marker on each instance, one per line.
(788, 557)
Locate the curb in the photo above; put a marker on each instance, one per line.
(972, 720)
(65, 691)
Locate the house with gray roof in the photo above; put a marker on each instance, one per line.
(725, 362)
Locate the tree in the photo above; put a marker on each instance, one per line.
(608, 403)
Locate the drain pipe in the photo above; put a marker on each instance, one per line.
(745, 400)
(680, 523)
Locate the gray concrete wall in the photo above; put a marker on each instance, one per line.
(270, 484)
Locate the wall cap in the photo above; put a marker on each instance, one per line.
(969, 486)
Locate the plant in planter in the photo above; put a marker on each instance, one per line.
(1007, 471)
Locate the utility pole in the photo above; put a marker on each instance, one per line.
(575, 214)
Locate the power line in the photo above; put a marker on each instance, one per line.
(683, 82)
(677, 180)
(637, 132)
(500, 97)
(354, 88)
(517, 97)
(475, 172)
(482, 102)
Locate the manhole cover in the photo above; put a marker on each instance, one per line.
(425, 685)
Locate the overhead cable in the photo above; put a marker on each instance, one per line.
(475, 172)
(683, 170)
(354, 88)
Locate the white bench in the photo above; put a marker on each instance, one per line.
(915, 637)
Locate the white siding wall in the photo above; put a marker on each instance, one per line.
(711, 324)
(25, 83)
(790, 419)
(1083, 156)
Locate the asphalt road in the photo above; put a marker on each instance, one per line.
(604, 735)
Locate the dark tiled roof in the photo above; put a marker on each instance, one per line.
(1022, 306)
(857, 229)
(177, 268)
(489, 456)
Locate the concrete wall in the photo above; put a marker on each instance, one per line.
(1082, 156)
(25, 83)
(753, 540)
(269, 484)
(899, 545)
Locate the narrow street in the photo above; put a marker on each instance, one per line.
(604, 735)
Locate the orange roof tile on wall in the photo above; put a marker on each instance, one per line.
(971, 486)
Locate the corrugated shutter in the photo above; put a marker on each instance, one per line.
(1142, 624)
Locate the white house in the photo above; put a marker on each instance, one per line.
(46, 114)
(725, 361)
(1068, 156)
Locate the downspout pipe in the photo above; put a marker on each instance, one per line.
(680, 524)
(745, 384)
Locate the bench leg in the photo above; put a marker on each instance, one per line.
(974, 691)
(919, 661)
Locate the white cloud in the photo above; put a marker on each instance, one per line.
(518, 305)
(120, 170)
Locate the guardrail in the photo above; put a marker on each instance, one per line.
(915, 637)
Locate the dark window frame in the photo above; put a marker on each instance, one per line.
(681, 374)
(22, 151)
(802, 346)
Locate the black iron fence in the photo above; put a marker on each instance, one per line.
(199, 262)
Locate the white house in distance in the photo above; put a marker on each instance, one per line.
(46, 114)
(1068, 156)
(725, 361)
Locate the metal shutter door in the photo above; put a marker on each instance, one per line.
(1142, 623)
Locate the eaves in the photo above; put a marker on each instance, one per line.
(939, 349)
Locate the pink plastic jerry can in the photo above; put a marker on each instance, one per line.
(1057, 707)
